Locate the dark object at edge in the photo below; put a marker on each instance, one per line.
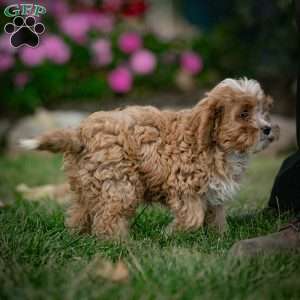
(285, 195)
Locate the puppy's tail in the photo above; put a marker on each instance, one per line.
(62, 140)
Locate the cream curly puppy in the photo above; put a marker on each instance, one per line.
(190, 160)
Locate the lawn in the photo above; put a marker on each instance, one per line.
(40, 259)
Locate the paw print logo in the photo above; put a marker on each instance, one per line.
(24, 32)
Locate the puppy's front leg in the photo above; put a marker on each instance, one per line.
(189, 213)
(216, 218)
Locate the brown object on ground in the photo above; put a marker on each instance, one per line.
(59, 192)
(285, 240)
(116, 272)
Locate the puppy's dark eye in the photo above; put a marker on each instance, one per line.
(244, 114)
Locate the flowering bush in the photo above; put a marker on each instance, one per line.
(91, 51)
(98, 49)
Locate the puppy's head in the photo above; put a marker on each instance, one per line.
(235, 117)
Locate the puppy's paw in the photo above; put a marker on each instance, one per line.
(173, 228)
(215, 219)
(220, 228)
(169, 230)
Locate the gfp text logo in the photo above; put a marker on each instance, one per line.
(24, 29)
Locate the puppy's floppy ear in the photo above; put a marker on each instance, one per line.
(206, 121)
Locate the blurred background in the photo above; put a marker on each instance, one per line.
(103, 54)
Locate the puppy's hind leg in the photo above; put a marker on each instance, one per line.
(78, 219)
(117, 202)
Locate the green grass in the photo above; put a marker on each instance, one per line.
(40, 259)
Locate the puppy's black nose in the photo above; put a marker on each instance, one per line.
(266, 130)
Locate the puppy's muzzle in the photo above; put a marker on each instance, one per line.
(271, 132)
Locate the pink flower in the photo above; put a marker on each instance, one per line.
(55, 49)
(130, 42)
(76, 26)
(58, 8)
(32, 56)
(120, 80)
(52, 47)
(143, 62)
(5, 45)
(6, 61)
(102, 52)
(101, 22)
(191, 62)
(21, 79)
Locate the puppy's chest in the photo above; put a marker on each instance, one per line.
(222, 188)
